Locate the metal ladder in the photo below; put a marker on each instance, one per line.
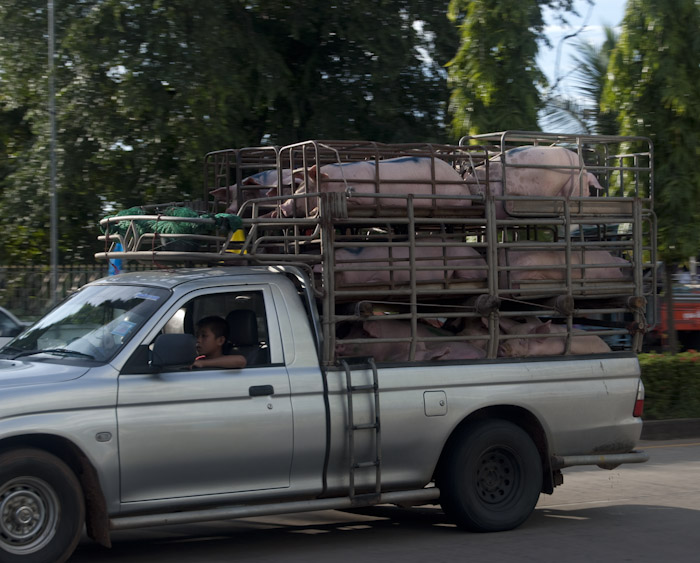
(371, 426)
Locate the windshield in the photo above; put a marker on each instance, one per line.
(93, 324)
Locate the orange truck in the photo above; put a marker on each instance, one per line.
(686, 317)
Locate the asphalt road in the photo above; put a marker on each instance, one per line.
(641, 513)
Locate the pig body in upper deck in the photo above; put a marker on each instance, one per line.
(533, 171)
(396, 176)
(262, 184)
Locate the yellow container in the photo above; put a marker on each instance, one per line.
(237, 237)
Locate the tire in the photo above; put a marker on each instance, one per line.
(492, 477)
(42, 510)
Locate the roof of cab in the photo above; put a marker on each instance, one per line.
(170, 278)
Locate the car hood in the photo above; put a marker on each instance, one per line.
(23, 372)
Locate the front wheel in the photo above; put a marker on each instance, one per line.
(42, 510)
(491, 478)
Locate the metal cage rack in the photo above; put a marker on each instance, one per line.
(429, 249)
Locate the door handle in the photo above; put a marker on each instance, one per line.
(261, 390)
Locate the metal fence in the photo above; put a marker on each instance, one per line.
(26, 291)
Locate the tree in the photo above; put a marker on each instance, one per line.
(145, 89)
(360, 70)
(655, 85)
(581, 111)
(495, 80)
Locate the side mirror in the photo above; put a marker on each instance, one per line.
(15, 331)
(173, 350)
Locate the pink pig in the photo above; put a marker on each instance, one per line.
(268, 186)
(599, 265)
(399, 176)
(399, 351)
(442, 263)
(549, 172)
(476, 330)
(545, 345)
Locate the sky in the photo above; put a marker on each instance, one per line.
(603, 12)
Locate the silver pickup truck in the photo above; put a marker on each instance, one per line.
(106, 424)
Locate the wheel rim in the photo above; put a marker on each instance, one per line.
(497, 476)
(28, 515)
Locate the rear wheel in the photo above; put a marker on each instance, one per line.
(491, 478)
(42, 511)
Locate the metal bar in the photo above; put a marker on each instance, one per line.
(350, 429)
(415, 497)
(638, 258)
(377, 429)
(53, 204)
(413, 281)
(607, 461)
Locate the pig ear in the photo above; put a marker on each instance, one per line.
(315, 176)
(505, 324)
(250, 181)
(219, 193)
(593, 182)
(543, 328)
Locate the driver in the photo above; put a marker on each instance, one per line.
(211, 333)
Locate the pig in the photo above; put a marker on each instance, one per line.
(399, 351)
(548, 181)
(449, 263)
(267, 180)
(545, 345)
(476, 327)
(401, 176)
(510, 279)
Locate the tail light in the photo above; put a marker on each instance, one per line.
(639, 402)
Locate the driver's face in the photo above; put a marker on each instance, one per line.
(208, 344)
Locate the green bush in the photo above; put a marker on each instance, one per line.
(672, 385)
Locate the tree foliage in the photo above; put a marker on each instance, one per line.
(145, 89)
(655, 86)
(580, 111)
(494, 77)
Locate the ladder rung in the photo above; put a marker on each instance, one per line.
(365, 464)
(368, 426)
(369, 387)
(365, 498)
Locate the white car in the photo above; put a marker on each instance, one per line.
(10, 326)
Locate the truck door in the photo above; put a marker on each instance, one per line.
(192, 432)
